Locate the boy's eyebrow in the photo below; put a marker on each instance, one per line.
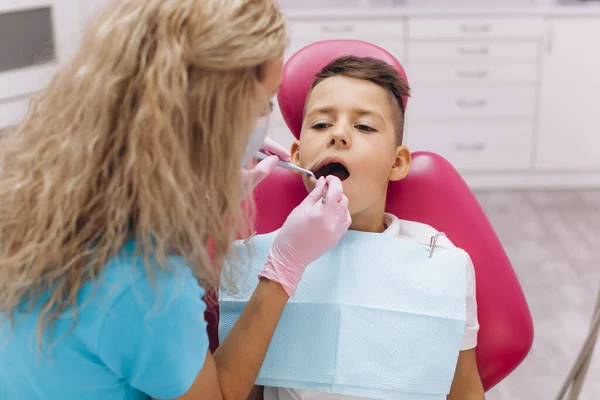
(362, 111)
(331, 110)
(321, 110)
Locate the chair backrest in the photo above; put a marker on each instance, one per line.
(432, 193)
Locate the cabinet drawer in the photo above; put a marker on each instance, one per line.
(475, 146)
(448, 102)
(393, 45)
(472, 51)
(347, 29)
(471, 73)
(424, 28)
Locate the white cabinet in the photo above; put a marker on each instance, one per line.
(569, 121)
(465, 75)
(474, 90)
(475, 28)
(471, 103)
(476, 146)
(472, 51)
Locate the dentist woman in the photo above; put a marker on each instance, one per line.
(125, 170)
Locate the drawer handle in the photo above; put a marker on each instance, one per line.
(480, 51)
(472, 147)
(482, 28)
(473, 74)
(471, 103)
(337, 29)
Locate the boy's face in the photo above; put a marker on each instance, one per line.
(348, 131)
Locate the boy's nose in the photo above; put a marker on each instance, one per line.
(339, 138)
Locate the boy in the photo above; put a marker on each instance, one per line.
(352, 128)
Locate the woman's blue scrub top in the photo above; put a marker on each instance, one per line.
(136, 337)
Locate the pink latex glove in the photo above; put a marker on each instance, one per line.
(255, 173)
(309, 231)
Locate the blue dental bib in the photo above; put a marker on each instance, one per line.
(375, 317)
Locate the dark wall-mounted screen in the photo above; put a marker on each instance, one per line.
(26, 38)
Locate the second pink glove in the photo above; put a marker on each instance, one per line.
(309, 231)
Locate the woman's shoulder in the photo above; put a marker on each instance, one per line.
(129, 275)
(130, 270)
(131, 287)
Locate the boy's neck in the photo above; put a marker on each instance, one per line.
(370, 220)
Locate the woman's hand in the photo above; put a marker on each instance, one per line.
(309, 231)
(255, 173)
(274, 148)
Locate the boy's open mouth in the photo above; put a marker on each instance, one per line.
(332, 168)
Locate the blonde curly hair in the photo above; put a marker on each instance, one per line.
(140, 135)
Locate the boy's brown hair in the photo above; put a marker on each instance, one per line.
(375, 71)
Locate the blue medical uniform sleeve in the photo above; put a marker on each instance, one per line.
(154, 334)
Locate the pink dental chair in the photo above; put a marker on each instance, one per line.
(433, 193)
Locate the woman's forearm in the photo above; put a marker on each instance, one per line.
(239, 358)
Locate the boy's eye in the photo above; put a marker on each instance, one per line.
(319, 126)
(364, 128)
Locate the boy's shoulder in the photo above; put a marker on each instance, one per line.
(415, 231)
(420, 233)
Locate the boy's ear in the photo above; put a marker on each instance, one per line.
(401, 164)
(295, 153)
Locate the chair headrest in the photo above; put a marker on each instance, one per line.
(300, 70)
